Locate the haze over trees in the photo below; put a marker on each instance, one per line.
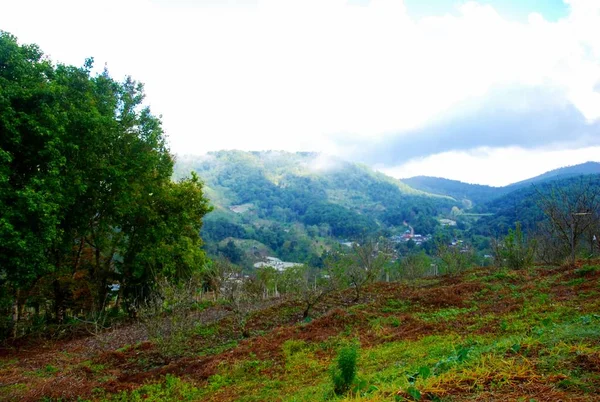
(88, 204)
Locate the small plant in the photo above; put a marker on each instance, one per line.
(415, 266)
(344, 373)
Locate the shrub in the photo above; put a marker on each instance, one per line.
(454, 259)
(515, 251)
(415, 266)
(169, 316)
(344, 373)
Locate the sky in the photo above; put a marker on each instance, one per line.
(487, 91)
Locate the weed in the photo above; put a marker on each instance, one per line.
(444, 314)
(172, 389)
(587, 270)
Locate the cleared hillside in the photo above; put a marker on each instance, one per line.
(486, 335)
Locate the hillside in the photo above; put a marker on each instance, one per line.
(485, 335)
(480, 194)
(561, 173)
(467, 193)
(295, 205)
(522, 204)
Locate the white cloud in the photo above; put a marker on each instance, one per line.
(296, 75)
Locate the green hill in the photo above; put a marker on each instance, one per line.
(298, 204)
(477, 195)
(561, 173)
(523, 205)
(469, 194)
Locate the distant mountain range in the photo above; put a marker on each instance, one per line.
(475, 194)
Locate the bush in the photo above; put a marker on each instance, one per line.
(415, 266)
(344, 373)
(454, 259)
(170, 316)
(515, 251)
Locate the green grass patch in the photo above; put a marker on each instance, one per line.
(447, 314)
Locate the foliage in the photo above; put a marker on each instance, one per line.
(292, 206)
(475, 193)
(572, 212)
(86, 192)
(414, 265)
(344, 372)
(363, 265)
(308, 285)
(238, 296)
(454, 259)
(515, 251)
(168, 315)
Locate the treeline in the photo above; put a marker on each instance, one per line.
(89, 215)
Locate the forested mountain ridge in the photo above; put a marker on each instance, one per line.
(477, 194)
(296, 206)
(586, 168)
(468, 193)
(524, 204)
(289, 202)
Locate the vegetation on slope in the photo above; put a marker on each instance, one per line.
(488, 334)
(477, 195)
(291, 203)
(468, 194)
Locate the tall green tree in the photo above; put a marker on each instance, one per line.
(86, 194)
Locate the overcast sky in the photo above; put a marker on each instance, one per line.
(491, 91)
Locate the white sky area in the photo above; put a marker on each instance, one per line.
(300, 75)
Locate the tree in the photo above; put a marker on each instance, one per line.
(232, 252)
(238, 299)
(85, 189)
(415, 265)
(362, 266)
(571, 212)
(454, 259)
(308, 285)
(514, 251)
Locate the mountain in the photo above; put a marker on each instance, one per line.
(523, 204)
(297, 205)
(476, 194)
(468, 194)
(586, 168)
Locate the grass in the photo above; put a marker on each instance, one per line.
(487, 335)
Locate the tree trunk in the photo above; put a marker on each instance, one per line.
(306, 312)
(15, 315)
(59, 312)
(357, 290)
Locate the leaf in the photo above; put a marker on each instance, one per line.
(414, 393)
